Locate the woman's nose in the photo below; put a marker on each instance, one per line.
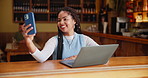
(62, 22)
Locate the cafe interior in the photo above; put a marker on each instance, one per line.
(123, 22)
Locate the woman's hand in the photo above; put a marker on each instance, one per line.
(25, 32)
(107, 63)
(28, 38)
(71, 58)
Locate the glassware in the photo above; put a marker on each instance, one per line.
(14, 43)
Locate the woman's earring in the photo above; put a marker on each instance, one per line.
(74, 26)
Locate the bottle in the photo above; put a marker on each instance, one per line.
(16, 19)
(88, 18)
(94, 18)
(145, 5)
(13, 43)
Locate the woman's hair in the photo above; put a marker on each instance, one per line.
(21, 23)
(77, 29)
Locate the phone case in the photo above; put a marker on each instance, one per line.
(29, 19)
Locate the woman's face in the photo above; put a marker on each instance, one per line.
(65, 22)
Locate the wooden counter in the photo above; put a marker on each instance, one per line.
(117, 37)
(128, 46)
(118, 67)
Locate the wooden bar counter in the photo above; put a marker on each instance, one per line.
(128, 46)
(117, 37)
(118, 67)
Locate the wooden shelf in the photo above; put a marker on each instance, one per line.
(51, 7)
(40, 4)
(42, 12)
(135, 8)
(21, 11)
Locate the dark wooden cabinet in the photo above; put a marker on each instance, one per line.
(45, 10)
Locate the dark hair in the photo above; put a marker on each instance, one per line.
(21, 23)
(77, 29)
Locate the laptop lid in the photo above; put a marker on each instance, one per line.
(94, 55)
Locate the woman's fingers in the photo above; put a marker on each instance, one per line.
(22, 27)
(26, 29)
(71, 58)
(27, 26)
(107, 63)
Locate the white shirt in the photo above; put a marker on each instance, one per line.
(51, 44)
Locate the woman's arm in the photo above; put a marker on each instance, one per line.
(44, 54)
(47, 51)
(89, 41)
(28, 38)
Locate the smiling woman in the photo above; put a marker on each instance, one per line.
(71, 20)
(66, 23)
(67, 44)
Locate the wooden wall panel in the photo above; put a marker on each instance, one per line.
(44, 36)
(96, 39)
(141, 49)
(108, 41)
(4, 38)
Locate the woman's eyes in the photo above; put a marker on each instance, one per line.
(59, 20)
(65, 19)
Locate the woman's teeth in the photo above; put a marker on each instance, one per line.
(62, 26)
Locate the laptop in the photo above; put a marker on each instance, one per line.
(93, 55)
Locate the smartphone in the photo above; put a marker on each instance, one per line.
(29, 19)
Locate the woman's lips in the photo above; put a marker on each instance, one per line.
(62, 26)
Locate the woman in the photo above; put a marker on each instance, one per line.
(67, 44)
